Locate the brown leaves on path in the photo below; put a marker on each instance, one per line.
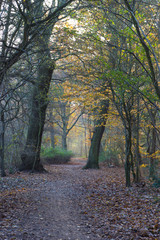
(117, 212)
(105, 208)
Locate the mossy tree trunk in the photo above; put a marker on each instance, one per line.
(93, 158)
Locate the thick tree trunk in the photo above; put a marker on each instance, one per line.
(93, 158)
(64, 140)
(31, 154)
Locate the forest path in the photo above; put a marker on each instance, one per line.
(69, 203)
(50, 206)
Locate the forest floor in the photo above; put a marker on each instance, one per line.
(69, 203)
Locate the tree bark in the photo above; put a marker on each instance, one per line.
(127, 157)
(137, 152)
(1, 1)
(93, 158)
(52, 135)
(65, 119)
(152, 167)
(2, 131)
(64, 140)
(31, 154)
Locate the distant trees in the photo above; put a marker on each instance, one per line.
(63, 112)
(125, 55)
(13, 115)
(110, 53)
(27, 26)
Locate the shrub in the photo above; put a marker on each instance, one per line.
(56, 155)
(156, 183)
(110, 156)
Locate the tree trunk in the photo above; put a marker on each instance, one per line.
(138, 155)
(127, 157)
(31, 154)
(2, 131)
(65, 119)
(152, 167)
(1, 1)
(85, 137)
(93, 158)
(64, 139)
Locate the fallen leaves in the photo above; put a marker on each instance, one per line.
(109, 210)
(121, 213)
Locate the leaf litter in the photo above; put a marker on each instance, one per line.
(92, 204)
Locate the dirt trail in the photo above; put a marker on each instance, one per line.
(52, 210)
(68, 203)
